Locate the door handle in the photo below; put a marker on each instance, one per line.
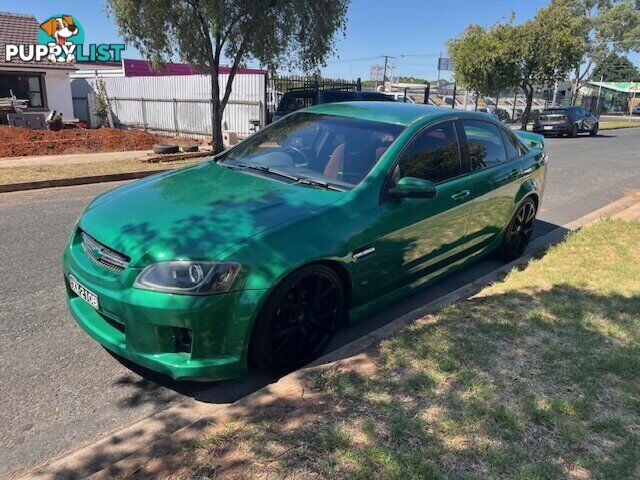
(460, 195)
(514, 173)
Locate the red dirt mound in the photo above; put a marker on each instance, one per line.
(19, 142)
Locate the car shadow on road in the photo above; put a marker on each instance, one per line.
(148, 384)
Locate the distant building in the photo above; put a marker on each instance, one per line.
(613, 96)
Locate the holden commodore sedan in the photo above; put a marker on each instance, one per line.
(258, 255)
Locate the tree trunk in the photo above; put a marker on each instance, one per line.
(216, 112)
(528, 93)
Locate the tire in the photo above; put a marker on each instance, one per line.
(298, 320)
(519, 231)
(164, 149)
(574, 131)
(190, 148)
(594, 131)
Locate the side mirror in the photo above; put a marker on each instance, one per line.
(411, 187)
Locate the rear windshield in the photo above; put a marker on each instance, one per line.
(337, 96)
(554, 111)
(336, 150)
(292, 102)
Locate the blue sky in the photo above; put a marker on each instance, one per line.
(417, 29)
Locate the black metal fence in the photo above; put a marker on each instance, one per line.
(277, 86)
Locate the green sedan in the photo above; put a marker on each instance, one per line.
(258, 255)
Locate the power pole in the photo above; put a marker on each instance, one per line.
(599, 93)
(384, 73)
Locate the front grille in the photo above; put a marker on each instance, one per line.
(103, 255)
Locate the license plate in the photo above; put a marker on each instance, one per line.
(84, 293)
(548, 127)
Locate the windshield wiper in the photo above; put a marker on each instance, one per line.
(303, 181)
(318, 183)
(262, 168)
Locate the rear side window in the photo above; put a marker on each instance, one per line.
(511, 145)
(485, 144)
(434, 155)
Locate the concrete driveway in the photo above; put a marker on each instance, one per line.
(61, 390)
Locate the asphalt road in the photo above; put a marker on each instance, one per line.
(60, 390)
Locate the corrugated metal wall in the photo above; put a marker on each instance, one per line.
(180, 104)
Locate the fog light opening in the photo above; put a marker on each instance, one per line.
(184, 339)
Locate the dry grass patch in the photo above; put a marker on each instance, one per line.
(535, 378)
(75, 170)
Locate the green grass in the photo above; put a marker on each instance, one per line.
(537, 377)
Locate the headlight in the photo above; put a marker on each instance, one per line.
(188, 278)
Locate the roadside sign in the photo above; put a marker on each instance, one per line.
(445, 64)
(377, 73)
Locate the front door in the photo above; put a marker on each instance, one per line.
(414, 235)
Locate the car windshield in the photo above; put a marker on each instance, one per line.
(339, 151)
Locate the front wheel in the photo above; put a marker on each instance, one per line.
(574, 131)
(594, 131)
(298, 321)
(519, 231)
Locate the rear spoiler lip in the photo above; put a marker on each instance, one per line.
(531, 139)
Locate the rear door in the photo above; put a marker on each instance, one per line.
(495, 170)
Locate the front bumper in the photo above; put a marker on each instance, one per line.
(144, 326)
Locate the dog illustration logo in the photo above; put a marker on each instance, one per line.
(64, 31)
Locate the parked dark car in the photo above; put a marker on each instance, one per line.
(636, 110)
(297, 99)
(566, 121)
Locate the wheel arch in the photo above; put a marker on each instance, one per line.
(340, 270)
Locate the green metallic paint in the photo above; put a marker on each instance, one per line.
(208, 212)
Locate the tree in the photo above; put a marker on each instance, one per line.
(546, 49)
(483, 59)
(616, 68)
(416, 80)
(607, 28)
(297, 33)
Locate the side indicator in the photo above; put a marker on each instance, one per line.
(362, 253)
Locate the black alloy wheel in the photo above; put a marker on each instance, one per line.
(519, 231)
(299, 320)
(594, 131)
(574, 131)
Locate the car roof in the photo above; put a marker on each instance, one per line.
(400, 113)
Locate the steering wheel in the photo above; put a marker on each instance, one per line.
(296, 153)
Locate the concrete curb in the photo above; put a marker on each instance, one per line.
(127, 452)
(68, 182)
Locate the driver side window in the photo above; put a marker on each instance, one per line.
(433, 155)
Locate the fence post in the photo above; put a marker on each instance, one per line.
(427, 92)
(144, 113)
(265, 110)
(175, 117)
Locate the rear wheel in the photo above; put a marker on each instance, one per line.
(298, 320)
(594, 131)
(574, 131)
(519, 231)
